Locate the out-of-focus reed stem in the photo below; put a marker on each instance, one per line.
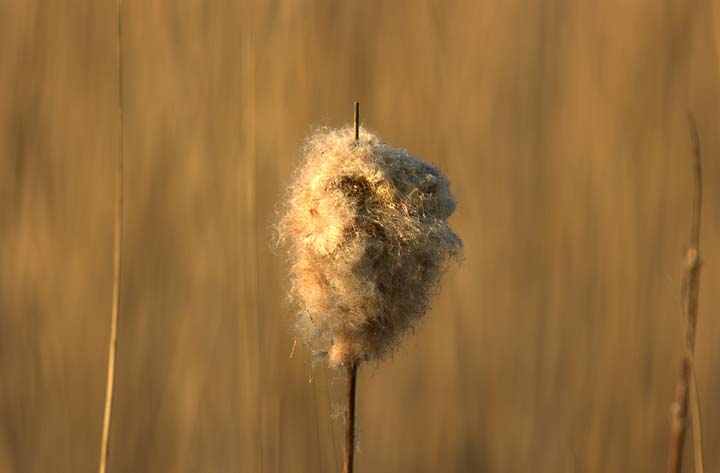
(691, 287)
(117, 257)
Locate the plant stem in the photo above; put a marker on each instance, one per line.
(691, 288)
(350, 417)
(357, 121)
(351, 374)
(117, 258)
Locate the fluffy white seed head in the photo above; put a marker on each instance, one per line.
(366, 230)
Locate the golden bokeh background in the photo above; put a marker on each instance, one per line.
(554, 347)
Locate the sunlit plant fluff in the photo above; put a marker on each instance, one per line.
(365, 226)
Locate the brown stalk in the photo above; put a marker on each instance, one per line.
(350, 417)
(351, 373)
(117, 260)
(357, 121)
(686, 390)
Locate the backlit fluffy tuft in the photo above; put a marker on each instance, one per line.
(366, 229)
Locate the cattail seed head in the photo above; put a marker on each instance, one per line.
(366, 230)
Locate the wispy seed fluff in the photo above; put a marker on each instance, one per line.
(366, 229)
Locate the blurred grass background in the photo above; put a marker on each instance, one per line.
(554, 347)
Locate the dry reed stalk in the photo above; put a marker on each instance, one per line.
(690, 292)
(349, 457)
(351, 372)
(117, 259)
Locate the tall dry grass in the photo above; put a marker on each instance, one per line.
(117, 256)
(561, 126)
(686, 391)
